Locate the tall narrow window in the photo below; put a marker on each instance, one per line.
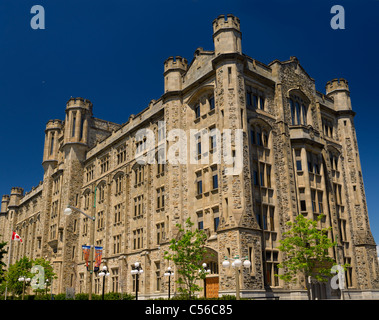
(199, 183)
(73, 126)
(298, 111)
(216, 218)
(197, 111)
(214, 178)
(81, 128)
(211, 103)
(293, 116)
(200, 222)
(52, 144)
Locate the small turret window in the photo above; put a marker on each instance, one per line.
(73, 126)
(52, 144)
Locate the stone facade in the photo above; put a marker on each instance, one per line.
(300, 156)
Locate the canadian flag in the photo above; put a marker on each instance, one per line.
(16, 237)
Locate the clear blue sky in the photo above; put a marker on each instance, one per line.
(112, 52)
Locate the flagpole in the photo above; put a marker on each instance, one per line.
(9, 262)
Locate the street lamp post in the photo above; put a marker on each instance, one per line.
(205, 270)
(169, 273)
(137, 271)
(104, 274)
(23, 280)
(236, 264)
(67, 212)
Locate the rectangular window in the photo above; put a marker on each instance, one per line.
(214, 178)
(255, 101)
(256, 179)
(313, 196)
(138, 239)
(264, 216)
(216, 218)
(115, 280)
(303, 206)
(248, 99)
(199, 187)
(293, 115)
(197, 111)
(121, 154)
(304, 113)
(158, 276)
(262, 103)
(211, 103)
(320, 202)
(259, 139)
(200, 222)
(160, 232)
(116, 244)
(104, 164)
(160, 198)
(268, 175)
(272, 218)
(199, 183)
(138, 205)
(261, 174)
(298, 165)
(73, 126)
(199, 145)
(253, 140)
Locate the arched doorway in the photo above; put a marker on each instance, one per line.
(211, 282)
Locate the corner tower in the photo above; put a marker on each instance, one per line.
(364, 258)
(338, 90)
(227, 35)
(78, 114)
(174, 69)
(4, 203)
(50, 151)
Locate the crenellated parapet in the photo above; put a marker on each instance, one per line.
(179, 63)
(226, 22)
(16, 194)
(227, 35)
(4, 203)
(338, 90)
(336, 84)
(173, 73)
(79, 103)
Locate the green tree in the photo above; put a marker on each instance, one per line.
(306, 251)
(20, 269)
(2, 263)
(48, 274)
(188, 251)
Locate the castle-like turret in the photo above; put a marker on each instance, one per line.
(4, 203)
(173, 73)
(338, 90)
(227, 35)
(52, 132)
(16, 195)
(78, 113)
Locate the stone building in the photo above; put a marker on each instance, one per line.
(300, 156)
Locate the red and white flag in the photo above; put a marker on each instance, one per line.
(16, 237)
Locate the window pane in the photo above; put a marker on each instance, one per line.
(298, 165)
(212, 103)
